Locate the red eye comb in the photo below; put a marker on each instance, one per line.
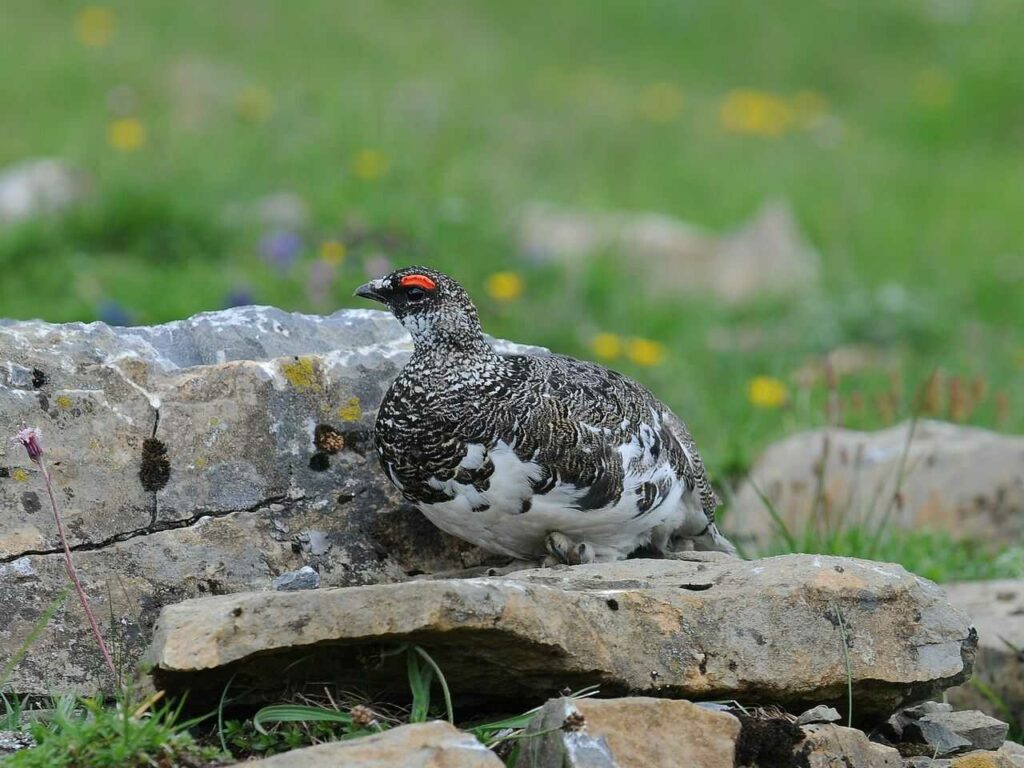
(419, 281)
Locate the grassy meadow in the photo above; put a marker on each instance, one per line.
(416, 132)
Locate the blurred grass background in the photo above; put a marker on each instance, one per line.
(416, 132)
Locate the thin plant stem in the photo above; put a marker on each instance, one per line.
(844, 639)
(69, 565)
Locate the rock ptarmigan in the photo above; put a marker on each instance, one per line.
(531, 455)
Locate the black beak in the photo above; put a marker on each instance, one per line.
(370, 291)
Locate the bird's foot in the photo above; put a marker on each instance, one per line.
(564, 551)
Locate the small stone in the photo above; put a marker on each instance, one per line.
(20, 569)
(38, 187)
(983, 759)
(767, 255)
(713, 706)
(292, 581)
(976, 728)
(14, 741)
(927, 708)
(926, 761)
(828, 745)
(819, 714)
(1014, 751)
(421, 745)
(609, 733)
(938, 739)
(317, 543)
(19, 377)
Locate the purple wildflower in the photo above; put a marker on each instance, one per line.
(281, 248)
(239, 296)
(112, 313)
(30, 437)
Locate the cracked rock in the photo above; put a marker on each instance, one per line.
(172, 447)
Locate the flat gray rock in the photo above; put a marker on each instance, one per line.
(767, 630)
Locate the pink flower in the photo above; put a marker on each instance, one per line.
(30, 438)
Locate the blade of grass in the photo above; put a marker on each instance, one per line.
(444, 683)
(915, 418)
(297, 713)
(419, 684)
(849, 668)
(220, 713)
(781, 528)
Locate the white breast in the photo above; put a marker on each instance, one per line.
(613, 531)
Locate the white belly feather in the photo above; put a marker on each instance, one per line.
(614, 531)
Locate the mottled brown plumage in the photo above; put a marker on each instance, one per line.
(506, 450)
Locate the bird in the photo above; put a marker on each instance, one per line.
(538, 457)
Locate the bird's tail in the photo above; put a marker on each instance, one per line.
(713, 540)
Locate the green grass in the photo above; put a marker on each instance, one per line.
(913, 200)
(934, 555)
(84, 733)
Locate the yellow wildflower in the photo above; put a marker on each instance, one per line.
(934, 89)
(757, 113)
(606, 346)
(126, 135)
(94, 26)
(767, 392)
(254, 104)
(332, 251)
(645, 352)
(369, 164)
(661, 102)
(504, 286)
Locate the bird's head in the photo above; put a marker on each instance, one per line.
(433, 307)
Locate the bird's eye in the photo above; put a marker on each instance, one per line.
(415, 294)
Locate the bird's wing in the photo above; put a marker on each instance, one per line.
(590, 429)
(693, 468)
